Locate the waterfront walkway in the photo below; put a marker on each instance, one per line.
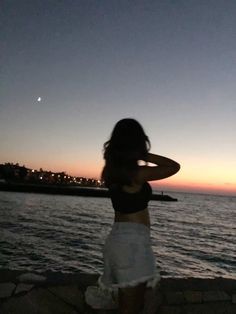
(49, 293)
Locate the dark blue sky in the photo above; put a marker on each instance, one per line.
(169, 64)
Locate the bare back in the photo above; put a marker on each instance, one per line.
(138, 217)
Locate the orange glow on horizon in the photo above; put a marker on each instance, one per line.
(197, 187)
(210, 180)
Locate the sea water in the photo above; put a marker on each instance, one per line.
(194, 237)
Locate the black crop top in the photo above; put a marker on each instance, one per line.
(128, 203)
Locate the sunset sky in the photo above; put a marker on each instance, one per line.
(169, 64)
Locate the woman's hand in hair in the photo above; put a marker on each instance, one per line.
(165, 167)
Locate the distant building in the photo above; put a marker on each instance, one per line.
(10, 172)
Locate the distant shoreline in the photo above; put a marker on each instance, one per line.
(70, 190)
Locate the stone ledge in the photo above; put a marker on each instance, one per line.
(209, 296)
(176, 297)
(70, 295)
(22, 287)
(6, 289)
(36, 301)
(63, 293)
(193, 296)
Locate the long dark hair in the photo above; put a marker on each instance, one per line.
(127, 145)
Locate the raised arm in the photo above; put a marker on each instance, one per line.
(165, 167)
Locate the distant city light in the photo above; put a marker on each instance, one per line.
(49, 177)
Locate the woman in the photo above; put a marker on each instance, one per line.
(129, 262)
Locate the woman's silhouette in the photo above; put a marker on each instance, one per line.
(129, 262)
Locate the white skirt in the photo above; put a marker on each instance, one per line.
(128, 257)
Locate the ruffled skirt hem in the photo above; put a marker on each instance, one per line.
(152, 281)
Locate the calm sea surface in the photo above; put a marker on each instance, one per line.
(195, 236)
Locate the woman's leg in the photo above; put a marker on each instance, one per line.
(131, 300)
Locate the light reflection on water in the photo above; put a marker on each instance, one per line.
(192, 237)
